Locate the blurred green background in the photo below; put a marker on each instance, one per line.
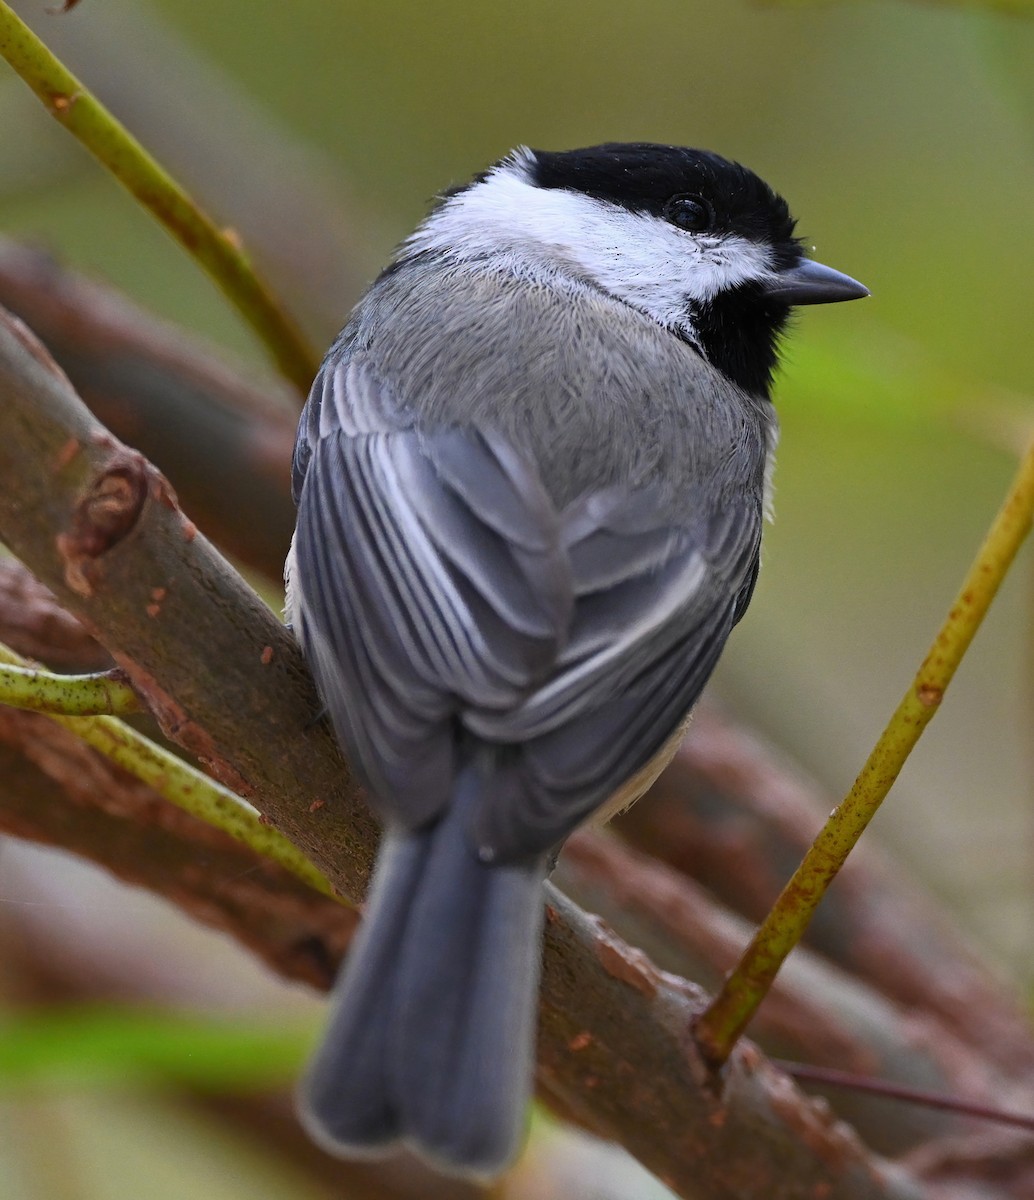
(902, 135)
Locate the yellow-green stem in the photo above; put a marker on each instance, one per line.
(185, 786)
(67, 695)
(731, 1010)
(217, 250)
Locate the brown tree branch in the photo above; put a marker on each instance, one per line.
(734, 814)
(35, 625)
(111, 818)
(812, 1016)
(66, 796)
(223, 441)
(58, 792)
(815, 1015)
(100, 527)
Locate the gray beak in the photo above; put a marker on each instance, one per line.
(812, 283)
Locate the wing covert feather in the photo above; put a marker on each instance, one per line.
(418, 586)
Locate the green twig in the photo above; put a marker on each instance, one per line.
(217, 250)
(183, 785)
(729, 1013)
(67, 695)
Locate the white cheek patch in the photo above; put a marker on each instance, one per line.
(640, 258)
(662, 269)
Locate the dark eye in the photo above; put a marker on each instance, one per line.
(689, 212)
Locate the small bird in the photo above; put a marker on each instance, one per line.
(531, 477)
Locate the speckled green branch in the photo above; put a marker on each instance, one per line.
(176, 780)
(103, 693)
(217, 250)
(732, 1009)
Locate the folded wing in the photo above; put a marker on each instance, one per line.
(448, 609)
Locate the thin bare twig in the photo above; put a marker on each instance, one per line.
(814, 1013)
(174, 779)
(887, 1090)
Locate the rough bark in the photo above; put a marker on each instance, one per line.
(36, 626)
(814, 1014)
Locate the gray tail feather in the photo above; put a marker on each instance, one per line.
(431, 1038)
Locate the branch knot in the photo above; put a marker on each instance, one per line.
(103, 517)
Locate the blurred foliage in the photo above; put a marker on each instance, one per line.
(215, 249)
(903, 136)
(1015, 7)
(113, 1147)
(89, 1047)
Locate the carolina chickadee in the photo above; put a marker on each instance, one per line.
(530, 478)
